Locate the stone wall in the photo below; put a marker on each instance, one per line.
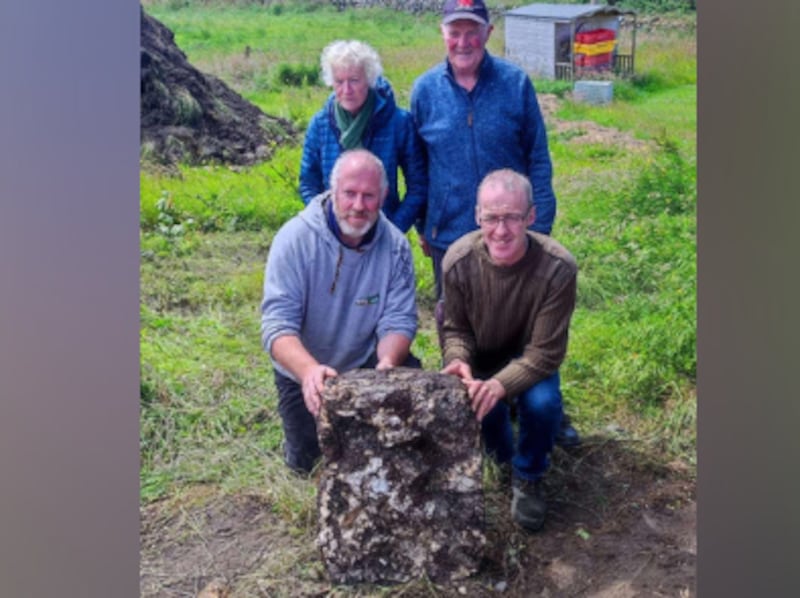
(412, 6)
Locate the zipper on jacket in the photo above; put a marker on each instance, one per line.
(469, 119)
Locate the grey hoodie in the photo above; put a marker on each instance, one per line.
(339, 301)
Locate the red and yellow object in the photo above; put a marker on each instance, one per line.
(594, 48)
(596, 60)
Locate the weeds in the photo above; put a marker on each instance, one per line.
(169, 221)
(666, 186)
(298, 75)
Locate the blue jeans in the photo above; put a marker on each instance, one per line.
(539, 411)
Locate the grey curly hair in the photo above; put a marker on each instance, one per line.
(350, 53)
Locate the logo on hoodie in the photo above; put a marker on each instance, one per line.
(371, 300)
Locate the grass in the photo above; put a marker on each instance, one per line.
(218, 198)
(208, 404)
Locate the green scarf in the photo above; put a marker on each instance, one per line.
(352, 127)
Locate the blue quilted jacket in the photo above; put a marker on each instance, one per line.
(469, 134)
(390, 135)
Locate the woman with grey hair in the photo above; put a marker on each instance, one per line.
(361, 112)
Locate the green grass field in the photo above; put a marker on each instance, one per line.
(208, 404)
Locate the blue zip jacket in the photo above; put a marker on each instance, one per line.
(390, 135)
(469, 134)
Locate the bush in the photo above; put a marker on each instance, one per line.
(297, 75)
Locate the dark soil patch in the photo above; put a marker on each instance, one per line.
(619, 526)
(190, 117)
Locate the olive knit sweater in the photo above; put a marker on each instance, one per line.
(508, 322)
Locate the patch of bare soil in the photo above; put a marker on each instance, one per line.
(585, 131)
(619, 526)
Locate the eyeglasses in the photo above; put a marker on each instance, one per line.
(492, 220)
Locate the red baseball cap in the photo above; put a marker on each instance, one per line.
(474, 10)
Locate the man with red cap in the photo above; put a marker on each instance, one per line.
(477, 113)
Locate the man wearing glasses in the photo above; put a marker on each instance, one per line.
(509, 296)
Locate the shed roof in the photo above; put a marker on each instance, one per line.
(565, 11)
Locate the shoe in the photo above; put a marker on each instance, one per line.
(567, 435)
(528, 507)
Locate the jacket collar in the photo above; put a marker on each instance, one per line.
(484, 67)
(384, 104)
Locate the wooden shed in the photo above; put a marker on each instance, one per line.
(570, 41)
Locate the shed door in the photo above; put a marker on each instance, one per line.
(563, 42)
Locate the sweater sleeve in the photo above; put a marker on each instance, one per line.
(400, 313)
(284, 296)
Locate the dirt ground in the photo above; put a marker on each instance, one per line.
(619, 526)
(584, 131)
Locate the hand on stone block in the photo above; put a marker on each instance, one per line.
(313, 383)
(484, 395)
(460, 369)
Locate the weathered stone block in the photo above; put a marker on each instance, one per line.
(401, 489)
